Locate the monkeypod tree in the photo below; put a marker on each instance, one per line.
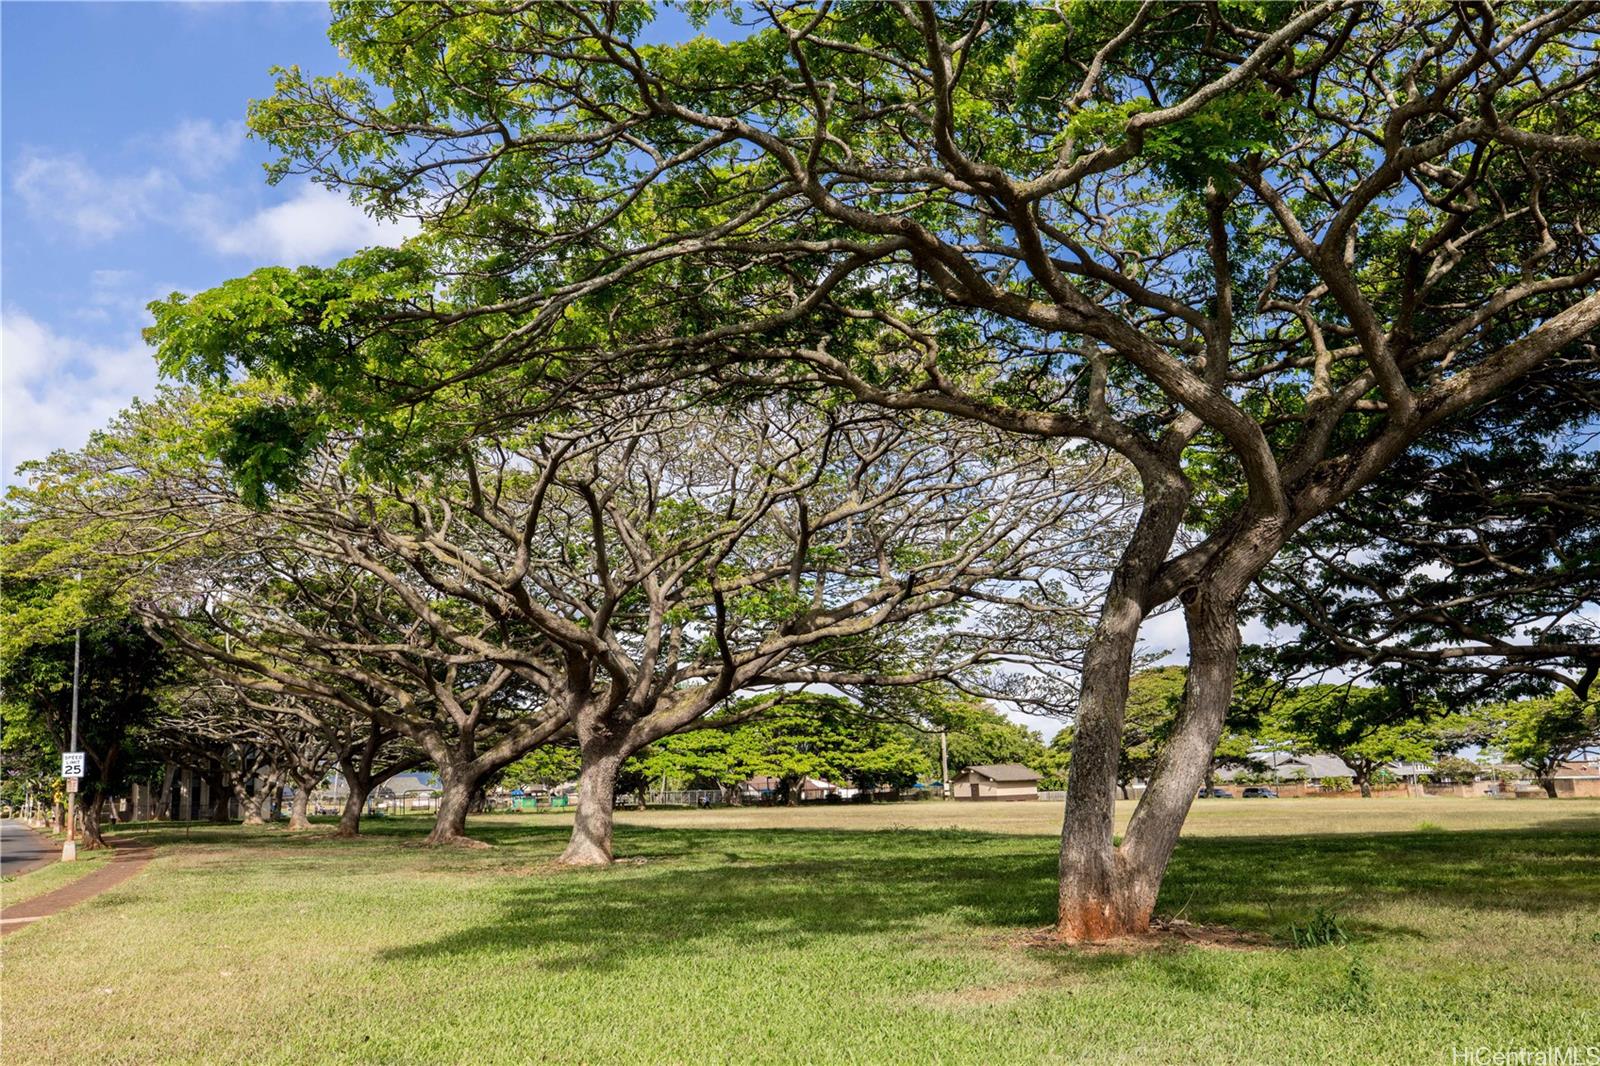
(1543, 732)
(367, 754)
(658, 560)
(120, 670)
(614, 578)
(272, 612)
(275, 638)
(1261, 252)
(255, 745)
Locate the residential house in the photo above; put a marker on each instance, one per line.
(1577, 777)
(764, 787)
(1001, 781)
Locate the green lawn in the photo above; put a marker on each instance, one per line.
(774, 942)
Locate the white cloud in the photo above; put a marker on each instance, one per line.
(64, 190)
(200, 147)
(1166, 634)
(315, 224)
(57, 389)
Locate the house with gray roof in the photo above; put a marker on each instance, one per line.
(1000, 781)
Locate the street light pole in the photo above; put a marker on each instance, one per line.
(69, 850)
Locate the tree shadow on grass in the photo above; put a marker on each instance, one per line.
(1267, 882)
(772, 888)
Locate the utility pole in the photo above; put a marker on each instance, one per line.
(69, 850)
(944, 763)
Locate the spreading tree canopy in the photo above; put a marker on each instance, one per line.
(1260, 251)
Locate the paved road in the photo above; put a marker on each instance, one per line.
(22, 849)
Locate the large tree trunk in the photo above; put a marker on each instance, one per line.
(591, 828)
(1364, 783)
(350, 818)
(450, 822)
(1107, 891)
(458, 782)
(256, 807)
(1549, 784)
(299, 814)
(90, 810)
(220, 795)
(1090, 896)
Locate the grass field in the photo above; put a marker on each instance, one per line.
(896, 934)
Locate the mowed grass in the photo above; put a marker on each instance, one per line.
(821, 936)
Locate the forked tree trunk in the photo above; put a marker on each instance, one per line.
(1364, 782)
(1107, 891)
(256, 807)
(591, 828)
(1549, 784)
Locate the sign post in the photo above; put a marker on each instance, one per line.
(72, 761)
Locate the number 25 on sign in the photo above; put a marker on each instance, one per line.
(72, 764)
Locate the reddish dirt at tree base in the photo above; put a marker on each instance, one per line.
(1163, 934)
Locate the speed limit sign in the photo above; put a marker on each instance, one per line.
(72, 764)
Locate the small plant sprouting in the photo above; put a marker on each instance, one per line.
(1323, 929)
(1358, 985)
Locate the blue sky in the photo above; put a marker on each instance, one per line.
(126, 175)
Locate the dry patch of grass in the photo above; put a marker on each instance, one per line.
(1209, 817)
